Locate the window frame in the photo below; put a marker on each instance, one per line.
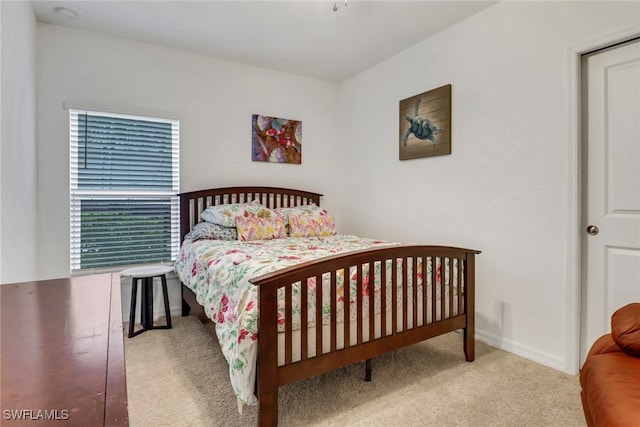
(77, 193)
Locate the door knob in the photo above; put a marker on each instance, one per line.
(593, 230)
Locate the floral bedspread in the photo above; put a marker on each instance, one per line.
(218, 271)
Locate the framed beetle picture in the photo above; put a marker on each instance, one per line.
(425, 124)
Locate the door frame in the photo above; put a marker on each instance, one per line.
(575, 234)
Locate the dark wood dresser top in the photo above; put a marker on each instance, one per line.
(63, 353)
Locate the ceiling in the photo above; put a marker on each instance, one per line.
(301, 37)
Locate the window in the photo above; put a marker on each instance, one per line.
(123, 182)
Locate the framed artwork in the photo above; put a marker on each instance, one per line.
(276, 140)
(425, 124)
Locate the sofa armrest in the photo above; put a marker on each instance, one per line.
(604, 344)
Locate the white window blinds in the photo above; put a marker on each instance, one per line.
(124, 180)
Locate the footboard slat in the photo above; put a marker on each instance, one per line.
(414, 290)
(394, 296)
(425, 290)
(450, 286)
(319, 299)
(383, 298)
(334, 310)
(347, 307)
(288, 329)
(435, 289)
(405, 296)
(460, 288)
(431, 293)
(359, 323)
(372, 301)
(304, 322)
(442, 286)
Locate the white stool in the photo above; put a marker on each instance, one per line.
(147, 273)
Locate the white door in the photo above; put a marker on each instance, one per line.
(611, 187)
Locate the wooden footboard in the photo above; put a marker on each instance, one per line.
(428, 290)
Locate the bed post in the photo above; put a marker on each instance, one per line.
(267, 357)
(185, 226)
(186, 308)
(469, 307)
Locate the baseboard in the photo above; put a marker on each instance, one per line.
(525, 351)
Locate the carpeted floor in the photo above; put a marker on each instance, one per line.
(179, 377)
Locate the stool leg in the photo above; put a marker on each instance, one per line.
(148, 302)
(150, 308)
(143, 303)
(132, 313)
(165, 294)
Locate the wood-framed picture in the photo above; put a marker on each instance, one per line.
(425, 124)
(276, 140)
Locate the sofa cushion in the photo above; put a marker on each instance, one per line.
(625, 328)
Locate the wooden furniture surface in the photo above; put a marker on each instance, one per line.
(63, 353)
(416, 312)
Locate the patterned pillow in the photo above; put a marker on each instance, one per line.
(312, 225)
(311, 209)
(208, 230)
(253, 227)
(286, 213)
(225, 214)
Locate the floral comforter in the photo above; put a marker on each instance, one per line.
(218, 272)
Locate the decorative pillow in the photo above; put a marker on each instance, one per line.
(312, 225)
(311, 209)
(625, 328)
(286, 213)
(253, 227)
(208, 230)
(225, 214)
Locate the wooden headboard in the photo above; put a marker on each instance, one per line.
(192, 203)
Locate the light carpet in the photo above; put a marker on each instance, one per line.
(179, 377)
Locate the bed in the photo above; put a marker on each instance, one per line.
(325, 300)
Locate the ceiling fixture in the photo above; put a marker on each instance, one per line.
(335, 5)
(66, 14)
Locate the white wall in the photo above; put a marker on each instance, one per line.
(213, 99)
(18, 237)
(505, 188)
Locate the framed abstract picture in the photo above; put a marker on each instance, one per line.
(276, 140)
(425, 124)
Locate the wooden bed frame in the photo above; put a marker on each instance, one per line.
(406, 325)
